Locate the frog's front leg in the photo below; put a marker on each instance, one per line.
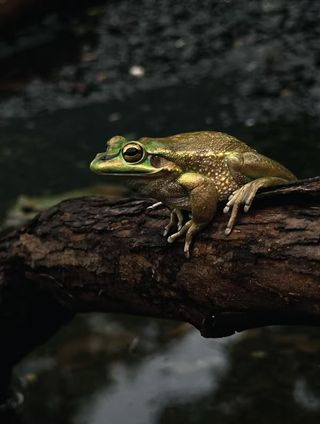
(176, 220)
(203, 200)
(265, 173)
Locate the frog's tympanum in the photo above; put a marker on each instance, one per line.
(192, 172)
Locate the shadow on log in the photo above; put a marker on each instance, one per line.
(89, 255)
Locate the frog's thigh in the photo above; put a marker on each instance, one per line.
(203, 202)
(254, 165)
(266, 173)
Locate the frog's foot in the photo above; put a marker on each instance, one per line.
(190, 228)
(180, 232)
(192, 231)
(176, 220)
(243, 196)
(154, 206)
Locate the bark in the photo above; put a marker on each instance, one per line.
(90, 255)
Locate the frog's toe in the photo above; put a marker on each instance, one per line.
(249, 196)
(243, 196)
(169, 227)
(233, 204)
(194, 229)
(233, 218)
(176, 220)
(166, 231)
(179, 215)
(154, 206)
(180, 233)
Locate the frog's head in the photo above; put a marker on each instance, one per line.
(132, 158)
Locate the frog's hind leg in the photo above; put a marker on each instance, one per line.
(176, 218)
(265, 173)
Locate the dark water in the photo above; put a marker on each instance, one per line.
(107, 369)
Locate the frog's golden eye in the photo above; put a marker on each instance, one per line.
(132, 153)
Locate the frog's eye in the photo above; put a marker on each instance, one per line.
(132, 153)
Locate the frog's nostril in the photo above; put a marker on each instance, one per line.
(105, 157)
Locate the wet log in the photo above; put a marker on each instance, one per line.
(89, 254)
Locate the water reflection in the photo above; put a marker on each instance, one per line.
(120, 370)
(273, 376)
(103, 369)
(142, 394)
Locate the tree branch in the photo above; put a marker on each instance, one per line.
(89, 255)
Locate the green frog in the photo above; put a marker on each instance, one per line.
(192, 172)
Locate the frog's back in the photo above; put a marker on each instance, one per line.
(195, 143)
(207, 141)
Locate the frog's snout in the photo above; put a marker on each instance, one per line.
(97, 163)
(104, 163)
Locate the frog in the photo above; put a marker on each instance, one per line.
(192, 173)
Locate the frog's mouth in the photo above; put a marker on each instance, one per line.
(115, 165)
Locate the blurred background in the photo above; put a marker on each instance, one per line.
(75, 73)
